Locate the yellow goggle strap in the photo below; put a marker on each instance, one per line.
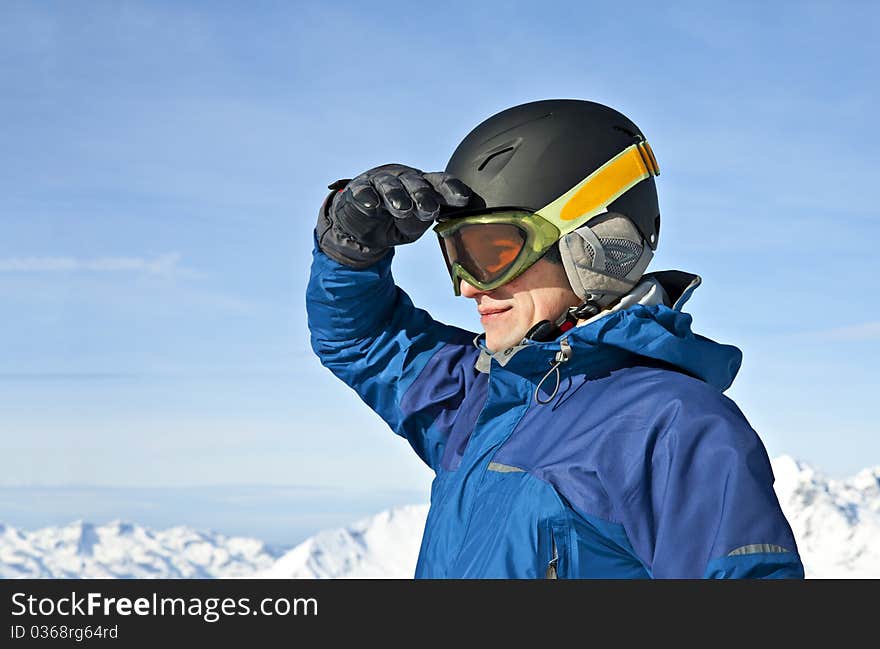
(593, 194)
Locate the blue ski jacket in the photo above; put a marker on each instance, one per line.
(638, 467)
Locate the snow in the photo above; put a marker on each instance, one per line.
(385, 546)
(836, 524)
(125, 550)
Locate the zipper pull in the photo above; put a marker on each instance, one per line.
(562, 356)
(551, 567)
(565, 352)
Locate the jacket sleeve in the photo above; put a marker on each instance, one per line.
(711, 508)
(412, 371)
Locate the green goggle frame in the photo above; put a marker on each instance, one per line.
(537, 234)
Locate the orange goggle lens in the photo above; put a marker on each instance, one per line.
(485, 250)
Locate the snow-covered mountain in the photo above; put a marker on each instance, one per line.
(836, 524)
(385, 546)
(124, 550)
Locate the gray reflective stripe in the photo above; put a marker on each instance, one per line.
(756, 548)
(504, 468)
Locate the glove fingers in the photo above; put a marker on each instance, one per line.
(453, 191)
(405, 227)
(363, 196)
(394, 196)
(427, 201)
(385, 206)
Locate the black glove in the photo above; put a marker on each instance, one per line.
(384, 207)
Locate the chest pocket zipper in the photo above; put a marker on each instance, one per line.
(552, 571)
(554, 562)
(559, 565)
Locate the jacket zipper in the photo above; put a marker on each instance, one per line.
(551, 567)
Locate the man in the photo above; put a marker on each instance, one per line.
(584, 434)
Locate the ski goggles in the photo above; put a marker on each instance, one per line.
(490, 249)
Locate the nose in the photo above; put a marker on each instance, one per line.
(468, 290)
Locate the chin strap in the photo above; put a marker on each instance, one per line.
(547, 330)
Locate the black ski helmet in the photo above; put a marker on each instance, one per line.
(529, 155)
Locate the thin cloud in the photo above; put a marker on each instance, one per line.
(165, 265)
(68, 376)
(858, 332)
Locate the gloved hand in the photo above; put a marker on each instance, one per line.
(383, 207)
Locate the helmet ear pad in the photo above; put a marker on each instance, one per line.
(605, 258)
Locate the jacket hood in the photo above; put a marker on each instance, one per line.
(661, 332)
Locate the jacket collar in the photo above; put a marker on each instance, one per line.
(670, 287)
(648, 322)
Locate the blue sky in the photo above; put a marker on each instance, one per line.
(163, 162)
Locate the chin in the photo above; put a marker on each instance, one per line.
(499, 343)
(491, 343)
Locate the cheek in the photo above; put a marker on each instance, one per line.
(543, 306)
(525, 309)
(551, 304)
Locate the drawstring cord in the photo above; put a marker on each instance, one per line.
(562, 356)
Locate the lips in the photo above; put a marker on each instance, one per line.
(489, 314)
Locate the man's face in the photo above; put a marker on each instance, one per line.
(509, 311)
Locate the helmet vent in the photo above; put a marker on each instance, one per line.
(493, 156)
(495, 159)
(499, 162)
(625, 130)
